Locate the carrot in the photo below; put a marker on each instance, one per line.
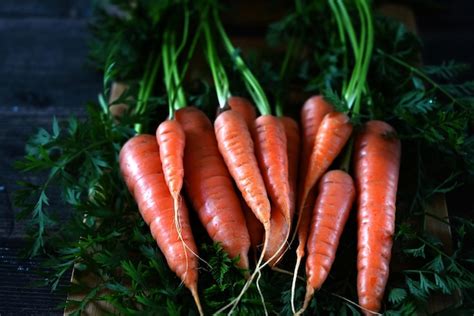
(271, 150)
(279, 228)
(312, 114)
(140, 165)
(210, 188)
(292, 132)
(332, 135)
(171, 141)
(237, 149)
(377, 163)
(333, 204)
(248, 113)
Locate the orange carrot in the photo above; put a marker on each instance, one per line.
(292, 132)
(140, 165)
(248, 113)
(210, 188)
(332, 135)
(237, 149)
(333, 204)
(271, 150)
(171, 141)
(377, 163)
(279, 228)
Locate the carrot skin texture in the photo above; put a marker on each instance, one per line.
(333, 204)
(271, 149)
(292, 132)
(171, 140)
(140, 165)
(332, 135)
(245, 108)
(377, 154)
(279, 228)
(237, 148)
(312, 114)
(279, 231)
(210, 188)
(255, 228)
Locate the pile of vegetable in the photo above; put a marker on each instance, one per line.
(180, 206)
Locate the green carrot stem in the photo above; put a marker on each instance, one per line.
(141, 91)
(346, 160)
(221, 81)
(167, 71)
(349, 93)
(179, 97)
(283, 70)
(254, 87)
(342, 37)
(367, 55)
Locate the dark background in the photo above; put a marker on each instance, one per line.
(43, 72)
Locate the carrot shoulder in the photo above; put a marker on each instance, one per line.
(210, 188)
(377, 163)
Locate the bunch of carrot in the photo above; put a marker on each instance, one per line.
(260, 157)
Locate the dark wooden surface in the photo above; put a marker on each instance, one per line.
(43, 72)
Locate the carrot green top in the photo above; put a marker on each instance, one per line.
(253, 86)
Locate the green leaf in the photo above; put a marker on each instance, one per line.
(56, 129)
(425, 284)
(442, 285)
(397, 295)
(72, 126)
(416, 252)
(436, 264)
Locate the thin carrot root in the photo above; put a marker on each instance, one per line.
(233, 304)
(293, 283)
(195, 295)
(309, 295)
(176, 204)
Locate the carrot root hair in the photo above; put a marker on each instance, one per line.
(197, 301)
(307, 298)
(293, 283)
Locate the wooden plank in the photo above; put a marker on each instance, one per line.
(44, 8)
(43, 67)
(18, 294)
